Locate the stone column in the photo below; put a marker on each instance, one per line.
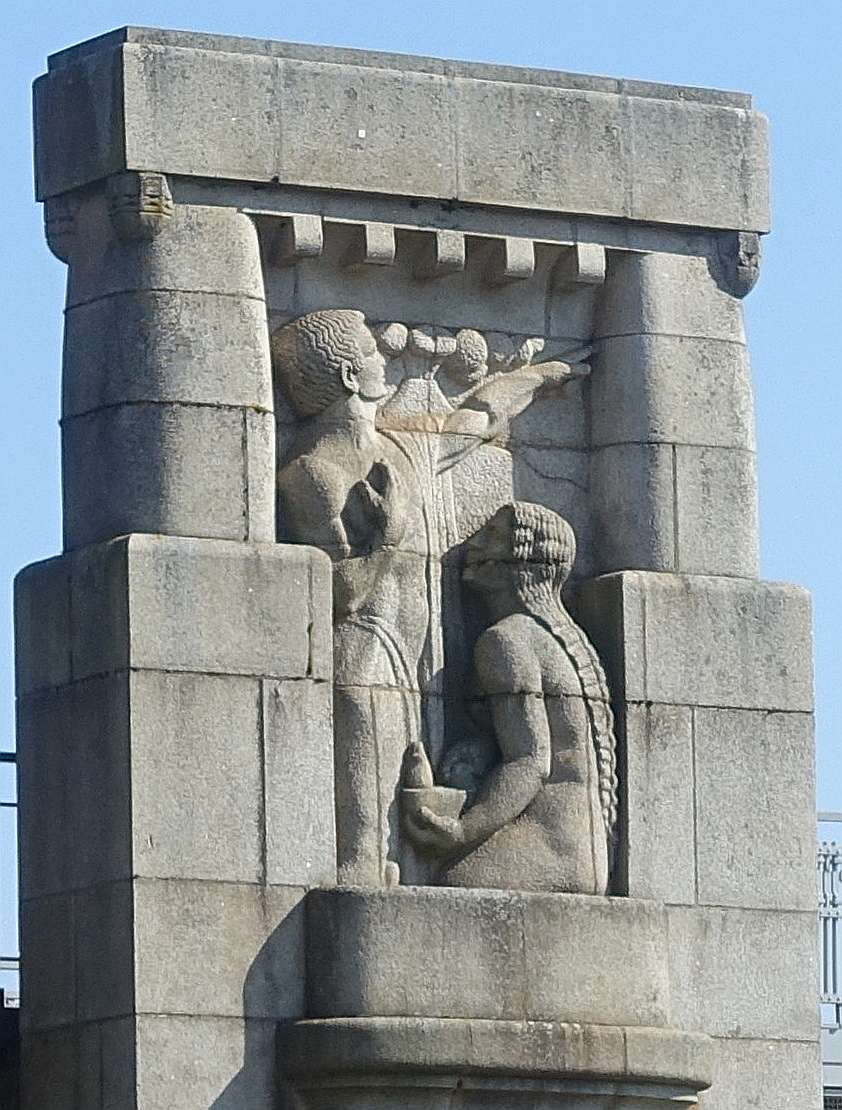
(167, 413)
(174, 684)
(713, 686)
(673, 477)
(174, 696)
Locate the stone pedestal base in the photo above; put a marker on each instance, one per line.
(426, 998)
(441, 1063)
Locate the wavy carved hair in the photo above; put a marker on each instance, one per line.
(543, 551)
(311, 353)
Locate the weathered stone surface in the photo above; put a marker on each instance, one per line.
(660, 802)
(754, 771)
(73, 768)
(127, 86)
(214, 348)
(50, 1061)
(104, 949)
(658, 388)
(201, 606)
(743, 973)
(674, 507)
(632, 489)
(89, 1067)
(238, 948)
(716, 511)
(192, 1063)
(661, 293)
(172, 469)
(205, 249)
(320, 118)
(42, 626)
(47, 962)
(196, 749)
(166, 358)
(500, 955)
(470, 1046)
(743, 1071)
(690, 639)
(299, 783)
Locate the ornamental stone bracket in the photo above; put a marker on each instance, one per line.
(289, 238)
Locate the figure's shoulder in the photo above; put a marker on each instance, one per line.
(311, 474)
(506, 655)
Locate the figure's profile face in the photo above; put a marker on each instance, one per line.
(370, 368)
(488, 559)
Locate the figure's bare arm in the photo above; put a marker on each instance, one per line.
(509, 674)
(522, 732)
(313, 496)
(311, 499)
(505, 396)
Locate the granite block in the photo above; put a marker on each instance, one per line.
(201, 112)
(193, 1063)
(756, 820)
(88, 1067)
(104, 948)
(660, 293)
(74, 811)
(42, 626)
(201, 249)
(218, 949)
(196, 750)
(698, 640)
(163, 345)
(216, 107)
(746, 1071)
(175, 603)
(224, 608)
(671, 389)
(660, 862)
(537, 142)
(148, 467)
(716, 149)
(632, 491)
(299, 783)
(48, 980)
(716, 511)
(743, 973)
(362, 127)
(497, 954)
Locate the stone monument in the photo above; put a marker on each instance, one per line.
(404, 724)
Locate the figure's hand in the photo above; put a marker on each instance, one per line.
(386, 501)
(442, 835)
(558, 373)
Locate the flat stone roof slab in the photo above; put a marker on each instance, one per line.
(217, 107)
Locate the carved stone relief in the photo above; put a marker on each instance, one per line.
(387, 415)
(542, 816)
(139, 204)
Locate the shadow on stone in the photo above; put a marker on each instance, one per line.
(255, 1086)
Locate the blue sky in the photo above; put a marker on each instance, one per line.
(787, 55)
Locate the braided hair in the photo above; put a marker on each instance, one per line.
(543, 550)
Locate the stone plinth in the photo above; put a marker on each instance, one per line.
(527, 287)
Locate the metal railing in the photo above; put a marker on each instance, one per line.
(830, 923)
(8, 886)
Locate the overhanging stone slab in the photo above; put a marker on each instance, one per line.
(247, 110)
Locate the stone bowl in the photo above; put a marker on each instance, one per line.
(444, 801)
